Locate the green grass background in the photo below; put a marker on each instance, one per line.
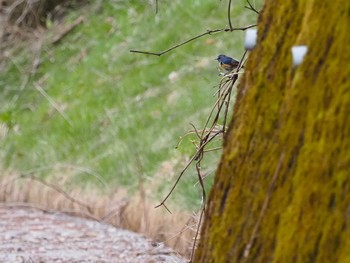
(123, 115)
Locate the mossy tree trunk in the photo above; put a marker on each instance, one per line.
(282, 190)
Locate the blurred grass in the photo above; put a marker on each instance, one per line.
(124, 114)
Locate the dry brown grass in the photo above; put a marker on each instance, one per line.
(31, 14)
(135, 213)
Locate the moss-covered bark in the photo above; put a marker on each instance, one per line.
(282, 191)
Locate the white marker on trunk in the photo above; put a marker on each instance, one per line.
(298, 53)
(251, 36)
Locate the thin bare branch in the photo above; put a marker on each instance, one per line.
(213, 149)
(229, 14)
(87, 171)
(199, 151)
(117, 209)
(65, 30)
(28, 77)
(188, 226)
(176, 182)
(49, 185)
(234, 79)
(53, 103)
(46, 210)
(59, 190)
(251, 7)
(208, 32)
(197, 233)
(195, 130)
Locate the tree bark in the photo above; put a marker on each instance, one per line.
(282, 190)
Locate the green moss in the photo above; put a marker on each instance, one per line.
(295, 119)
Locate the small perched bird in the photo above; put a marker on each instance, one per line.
(227, 63)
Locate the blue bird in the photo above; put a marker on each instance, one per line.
(227, 63)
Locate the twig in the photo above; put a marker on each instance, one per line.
(213, 149)
(111, 212)
(175, 184)
(28, 77)
(208, 32)
(186, 227)
(250, 7)
(89, 213)
(228, 96)
(141, 171)
(197, 233)
(234, 79)
(53, 103)
(66, 30)
(25, 205)
(157, 7)
(52, 186)
(229, 15)
(44, 209)
(85, 170)
(195, 130)
(183, 171)
(206, 137)
(204, 201)
(59, 190)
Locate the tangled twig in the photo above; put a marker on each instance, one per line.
(212, 129)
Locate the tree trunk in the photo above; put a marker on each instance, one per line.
(282, 190)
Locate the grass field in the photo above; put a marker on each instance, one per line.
(95, 112)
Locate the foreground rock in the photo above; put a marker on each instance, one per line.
(30, 235)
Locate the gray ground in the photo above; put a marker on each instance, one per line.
(30, 235)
